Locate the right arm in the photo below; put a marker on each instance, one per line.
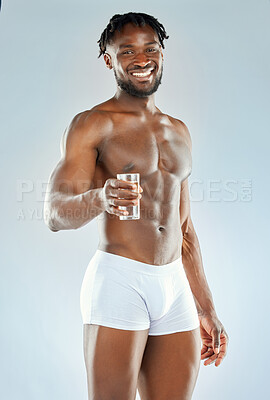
(71, 201)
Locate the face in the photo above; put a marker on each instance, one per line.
(136, 59)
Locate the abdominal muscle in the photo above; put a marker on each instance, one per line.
(151, 240)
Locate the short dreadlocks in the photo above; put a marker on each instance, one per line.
(140, 19)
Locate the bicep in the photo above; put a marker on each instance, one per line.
(75, 171)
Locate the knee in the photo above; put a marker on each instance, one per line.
(111, 396)
(112, 390)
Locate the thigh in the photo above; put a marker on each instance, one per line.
(170, 366)
(112, 358)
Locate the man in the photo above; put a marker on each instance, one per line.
(144, 308)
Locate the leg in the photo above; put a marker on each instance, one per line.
(113, 359)
(170, 366)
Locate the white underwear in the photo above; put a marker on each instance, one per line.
(123, 293)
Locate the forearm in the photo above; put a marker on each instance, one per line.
(192, 262)
(66, 211)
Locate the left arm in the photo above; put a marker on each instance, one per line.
(214, 337)
(192, 258)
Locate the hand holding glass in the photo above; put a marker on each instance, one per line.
(133, 210)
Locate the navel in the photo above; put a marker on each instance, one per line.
(161, 229)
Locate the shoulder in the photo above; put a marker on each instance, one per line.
(90, 120)
(86, 128)
(90, 124)
(182, 129)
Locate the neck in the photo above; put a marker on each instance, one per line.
(134, 103)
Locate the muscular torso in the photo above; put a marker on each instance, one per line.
(156, 147)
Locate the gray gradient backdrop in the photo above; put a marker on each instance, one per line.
(216, 79)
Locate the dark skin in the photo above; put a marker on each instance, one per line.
(129, 134)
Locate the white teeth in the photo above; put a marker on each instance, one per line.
(140, 74)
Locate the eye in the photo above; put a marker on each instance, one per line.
(126, 52)
(152, 49)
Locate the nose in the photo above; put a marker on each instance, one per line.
(141, 60)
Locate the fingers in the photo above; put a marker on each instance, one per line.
(120, 193)
(209, 354)
(220, 357)
(205, 349)
(124, 202)
(124, 197)
(217, 358)
(211, 359)
(121, 184)
(216, 339)
(118, 212)
(125, 194)
(225, 337)
(224, 341)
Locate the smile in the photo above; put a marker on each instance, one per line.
(139, 75)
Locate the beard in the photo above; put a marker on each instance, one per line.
(131, 89)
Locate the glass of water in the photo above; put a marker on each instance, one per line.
(133, 211)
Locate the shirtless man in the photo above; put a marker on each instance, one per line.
(145, 311)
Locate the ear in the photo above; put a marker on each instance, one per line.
(108, 60)
(161, 52)
(162, 55)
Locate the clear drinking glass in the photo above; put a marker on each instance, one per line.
(133, 211)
